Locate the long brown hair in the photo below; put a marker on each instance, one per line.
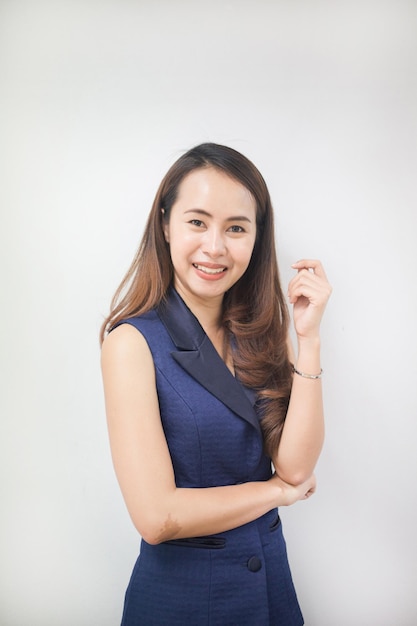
(254, 309)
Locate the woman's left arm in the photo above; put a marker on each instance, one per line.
(303, 432)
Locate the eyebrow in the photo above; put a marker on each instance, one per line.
(236, 218)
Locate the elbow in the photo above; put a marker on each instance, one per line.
(299, 479)
(149, 537)
(156, 529)
(146, 531)
(150, 534)
(295, 478)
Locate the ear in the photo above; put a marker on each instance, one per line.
(165, 226)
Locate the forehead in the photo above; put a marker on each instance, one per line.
(210, 188)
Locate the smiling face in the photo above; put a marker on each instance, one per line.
(211, 234)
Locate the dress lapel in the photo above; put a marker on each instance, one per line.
(197, 356)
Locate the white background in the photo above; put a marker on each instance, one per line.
(97, 100)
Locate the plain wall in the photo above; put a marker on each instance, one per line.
(97, 100)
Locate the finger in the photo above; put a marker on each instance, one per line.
(311, 490)
(315, 293)
(309, 290)
(313, 265)
(305, 283)
(307, 296)
(309, 493)
(306, 277)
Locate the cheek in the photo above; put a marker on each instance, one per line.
(244, 252)
(182, 240)
(181, 247)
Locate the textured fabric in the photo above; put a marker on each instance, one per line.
(240, 577)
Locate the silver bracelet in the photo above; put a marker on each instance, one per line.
(310, 376)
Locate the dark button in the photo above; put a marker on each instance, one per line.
(254, 564)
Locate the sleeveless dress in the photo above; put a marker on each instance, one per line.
(240, 577)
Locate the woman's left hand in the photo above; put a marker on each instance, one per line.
(309, 292)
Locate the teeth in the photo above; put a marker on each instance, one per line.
(209, 270)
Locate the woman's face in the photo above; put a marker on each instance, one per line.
(211, 233)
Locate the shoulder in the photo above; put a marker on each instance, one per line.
(145, 320)
(125, 349)
(130, 332)
(128, 371)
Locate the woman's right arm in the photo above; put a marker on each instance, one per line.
(159, 510)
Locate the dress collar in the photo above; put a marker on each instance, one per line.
(197, 356)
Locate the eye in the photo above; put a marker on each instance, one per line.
(197, 223)
(236, 229)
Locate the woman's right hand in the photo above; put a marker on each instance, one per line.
(289, 494)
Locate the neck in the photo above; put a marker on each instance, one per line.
(207, 311)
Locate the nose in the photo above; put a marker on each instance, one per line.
(214, 243)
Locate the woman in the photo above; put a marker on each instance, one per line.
(201, 395)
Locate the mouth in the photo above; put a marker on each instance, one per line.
(212, 271)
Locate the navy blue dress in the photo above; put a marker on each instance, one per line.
(236, 578)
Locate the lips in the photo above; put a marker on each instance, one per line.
(211, 270)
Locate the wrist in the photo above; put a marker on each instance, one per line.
(279, 491)
(308, 358)
(306, 375)
(308, 344)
